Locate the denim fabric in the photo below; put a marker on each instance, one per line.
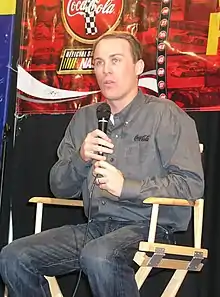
(106, 258)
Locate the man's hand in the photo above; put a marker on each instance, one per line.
(94, 143)
(111, 179)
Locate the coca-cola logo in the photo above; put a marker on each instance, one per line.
(165, 11)
(161, 84)
(163, 96)
(161, 59)
(86, 20)
(164, 22)
(161, 46)
(162, 34)
(161, 72)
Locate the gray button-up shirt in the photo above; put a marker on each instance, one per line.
(156, 148)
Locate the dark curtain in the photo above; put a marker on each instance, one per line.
(26, 175)
(35, 152)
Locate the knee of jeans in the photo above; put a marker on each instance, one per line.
(95, 256)
(11, 258)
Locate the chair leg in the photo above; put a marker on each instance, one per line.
(175, 283)
(141, 275)
(54, 287)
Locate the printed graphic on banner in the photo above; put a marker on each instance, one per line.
(76, 61)
(6, 37)
(180, 51)
(88, 19)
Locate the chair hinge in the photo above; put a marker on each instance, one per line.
(196, 261)
(157, 257)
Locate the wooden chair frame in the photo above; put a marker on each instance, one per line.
(159, 250)
(195, 254)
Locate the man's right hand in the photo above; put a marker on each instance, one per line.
(96, 142)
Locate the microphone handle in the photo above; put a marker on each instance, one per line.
(102, 125)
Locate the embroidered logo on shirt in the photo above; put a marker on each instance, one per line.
(141, 137)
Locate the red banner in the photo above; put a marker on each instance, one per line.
(180, 39)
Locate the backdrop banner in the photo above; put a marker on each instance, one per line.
(180, 41)
(7, 11)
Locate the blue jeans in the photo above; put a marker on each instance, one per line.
(106, 258)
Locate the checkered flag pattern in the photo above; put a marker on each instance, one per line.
(90, 23)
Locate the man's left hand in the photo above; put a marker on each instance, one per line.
(111, 179)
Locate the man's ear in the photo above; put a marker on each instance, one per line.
(139, 67)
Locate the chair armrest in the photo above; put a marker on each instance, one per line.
(171, 201)
(156, 202)
(40, 201)
(198, 215)
(56, 201)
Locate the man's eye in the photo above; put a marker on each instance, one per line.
(98, 63)
(115, 60)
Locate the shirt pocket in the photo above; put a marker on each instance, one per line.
(137, 152)
(136, 156)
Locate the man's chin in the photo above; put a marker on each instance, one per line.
(110, 95)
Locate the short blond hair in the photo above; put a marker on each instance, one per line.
(136, 48)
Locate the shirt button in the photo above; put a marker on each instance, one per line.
(112, 159)
(103, 202)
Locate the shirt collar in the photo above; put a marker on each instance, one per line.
(128, 112)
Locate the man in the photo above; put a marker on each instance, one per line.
(151, 149)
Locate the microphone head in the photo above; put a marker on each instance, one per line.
(103, 111)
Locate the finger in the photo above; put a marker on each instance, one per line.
(101, 180)
(96, 164)
(95, 174)
(103, 142)
(96, 157)
(105, 165)
(101, 134)
(102, 149)
(100, 171)
(103, 186)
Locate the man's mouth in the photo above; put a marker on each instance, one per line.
(108, 82)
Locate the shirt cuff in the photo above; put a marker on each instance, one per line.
(131, 189)
(80, 165)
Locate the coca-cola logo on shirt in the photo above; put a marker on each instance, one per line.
(86, 20)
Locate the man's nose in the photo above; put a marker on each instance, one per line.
(107, 68)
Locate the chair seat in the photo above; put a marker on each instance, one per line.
(171, 249)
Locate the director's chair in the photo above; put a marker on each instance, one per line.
(181, 259)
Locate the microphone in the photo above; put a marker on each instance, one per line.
(103, 113)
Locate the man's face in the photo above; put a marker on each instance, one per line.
(115, 70)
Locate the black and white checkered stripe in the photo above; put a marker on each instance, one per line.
(90, 20)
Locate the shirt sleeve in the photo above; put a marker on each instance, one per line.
(178, 146)
(69, 172)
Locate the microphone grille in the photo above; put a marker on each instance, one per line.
(103, 111)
